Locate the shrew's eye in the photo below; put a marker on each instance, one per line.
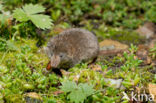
(61, 55)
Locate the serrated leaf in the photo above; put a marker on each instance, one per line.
(41, 21)
(87, 89)
(68, 86)
(33, 9)
(77, 93)
(77, 96)
(20, 15)
(30, 12)
(10, 44)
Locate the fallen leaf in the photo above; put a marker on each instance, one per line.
(153, 63)
(110, 52)
(33, 95)
(58, 30)
(148, 30)
(152, 43)
(76, 77)
(149, 60)
(142, 46)
(96, 67)
(58, 92)
(96, 6)
(112, 44)
(143, 54)
(64, 72)
(111, 47)
(9, 21)
(152, 90)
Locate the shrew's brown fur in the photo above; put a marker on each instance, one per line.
(71, 47)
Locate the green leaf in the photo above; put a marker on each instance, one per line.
(78, 93)
(2, 39)
(1, 7)
(68, 86)
(127, 84)
(30, 12)
(3, 19)
(55, 14)
(33, 9)
(20, 15)
(136, 80)
(77, 96)
(87, 89)
(11, 45)
(41, 21)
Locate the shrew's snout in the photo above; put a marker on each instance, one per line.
(55, 61)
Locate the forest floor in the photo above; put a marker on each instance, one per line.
(126, 65)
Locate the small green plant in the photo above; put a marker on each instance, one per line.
(155, 78)
(77, 93)
(133, 48)
(131, 80)
(7, 45)
(23, 73)
(55, 14)
(33, 13)
(130, 63)
(150, 14)
(5, 22)
(153, 52)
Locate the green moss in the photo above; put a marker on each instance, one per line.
(124, 36)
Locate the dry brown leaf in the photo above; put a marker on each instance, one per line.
(153, 63)
(112, 44)
(64, 72)
(152, 43)
(143, 54)
(143, 47)
(148, 30)
(9, 21)
(149, 60)
(112, 47)
(34, 95)
(152, 90)
(110, 52)
(58, 30)
(76, 77)
(96, 67)
(96, 6)
(58, 92)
